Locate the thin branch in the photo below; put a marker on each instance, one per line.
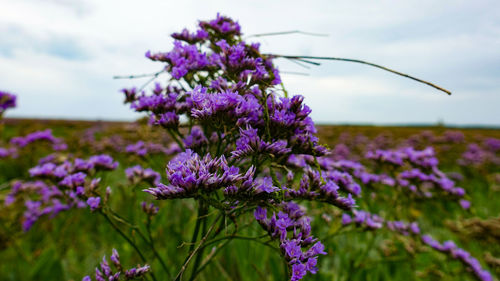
(307, 61)
(299, 64)
(287, 33)
(294, 73)
(131, 243)
(155, 74)
(301, 58)
(202, 241)
(152, 245)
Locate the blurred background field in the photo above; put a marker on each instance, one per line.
(68, 246)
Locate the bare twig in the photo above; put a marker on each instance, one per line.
(294, 73)
(155, 74)
(299, 64)
(307, 61)
(306, 58)
(287, 33)
(202, 241)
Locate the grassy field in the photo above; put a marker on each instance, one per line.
(70, 245)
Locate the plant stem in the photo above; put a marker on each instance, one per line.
(301, 58)
(188, 259)
(128, 240)
(152, 246)
(200, 252)
(173, 135)
(149, 241)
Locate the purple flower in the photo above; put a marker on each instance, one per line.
(93, 203)
(149, 209)
(221, 25)
(106, 272)
(311, 265)
(298, 271)
(38, 136)
(346, 219)
(199, 36)
(137, 272)
(292, 249)
(137, 174)
(7, 101)
(103, 162)
(115, 258)
(264, 185)
(450, 248)
(464, 204)
(188, 174)
(260, 214)
(169, 120)
(196, 139)
(73, 180)
(317, 249)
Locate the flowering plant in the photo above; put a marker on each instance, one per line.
(245, 156)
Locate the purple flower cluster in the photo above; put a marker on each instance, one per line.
(195, 37)
(223, 106)
(7, 101)
(105, 273)
(451, 249)
(250, 144)
(312, 187)
(150, 209)
(137, 174)
(331, 171)
(373, 222)
(423, 158)
(141, 148)
(165, 105)
(184, 58)
(57, 143)
(492, 144)
(102, 162)
(48, 200)
(475, 155)
(412, 178)
(415, 170)
(403, 227)
(65, 186)
(428, 137)
(190, 174)
(10, 152)
(363, 218)
(196, 139)
(293, 230)
(67, 170)
(221, 26)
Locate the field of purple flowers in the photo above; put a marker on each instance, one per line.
(228, 178)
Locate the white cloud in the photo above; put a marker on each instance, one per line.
(452, 43)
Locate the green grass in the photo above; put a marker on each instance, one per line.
(71, 245)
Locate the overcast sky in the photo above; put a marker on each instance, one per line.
(59, 56)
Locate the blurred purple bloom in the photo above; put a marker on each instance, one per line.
(94, 203)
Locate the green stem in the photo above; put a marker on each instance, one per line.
(231, 237)
(200, 252)
(149, 241)
(266, 116)
(202, 241)
(366, 251)
(128, 241)
(196, 229)
(173, 135)
(301, 58)
(152, 246)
